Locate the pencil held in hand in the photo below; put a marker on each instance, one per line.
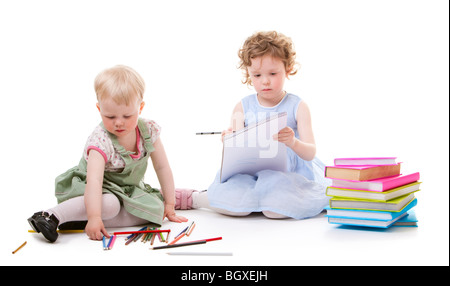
(208, 133)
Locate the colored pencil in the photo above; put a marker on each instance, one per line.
(62, 231)
(141, 231)
(145, 237)
(167, 237)
(131, 239)
(148, 237)
(202, 241)
(23, 244)
(207, 133)
(144, 228)
(104, 243)
(111, 242)
(210, 239)
(179, 244)
(161, 237)
(190, 229)
(183, 231)
(153, 239)
(177, 238)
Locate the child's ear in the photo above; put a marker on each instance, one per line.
(98, 106)
(288, 72)
(141, 107)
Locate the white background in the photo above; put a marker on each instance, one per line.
(374, 74)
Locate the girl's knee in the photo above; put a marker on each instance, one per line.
(110, 206)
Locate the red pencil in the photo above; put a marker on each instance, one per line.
(141, 231)
(177, 238)
(208, 239)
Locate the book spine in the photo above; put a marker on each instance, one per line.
(401, 181)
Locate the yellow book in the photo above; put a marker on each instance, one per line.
(394, 205)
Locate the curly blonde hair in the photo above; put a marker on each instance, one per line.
(267, 43)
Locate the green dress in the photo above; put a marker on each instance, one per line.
(138, 198)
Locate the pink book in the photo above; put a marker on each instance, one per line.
(361, 161)
(377, 185)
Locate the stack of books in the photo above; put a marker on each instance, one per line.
(371, 192)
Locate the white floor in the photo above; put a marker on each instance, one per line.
(253, 240)
(375, 88)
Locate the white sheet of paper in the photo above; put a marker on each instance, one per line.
(253, 149)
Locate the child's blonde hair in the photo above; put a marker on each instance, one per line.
(267, 43)
(120, 83)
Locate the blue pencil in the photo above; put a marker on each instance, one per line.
(144, 228)
(184, 230)
(109, 242)
(104, 243)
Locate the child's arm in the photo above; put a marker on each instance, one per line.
(237, 120)
(165, 177)
(306, 147)
(93, 196)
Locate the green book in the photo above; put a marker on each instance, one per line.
(394, 205)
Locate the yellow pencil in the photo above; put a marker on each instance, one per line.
(63, 231)
(23, 244)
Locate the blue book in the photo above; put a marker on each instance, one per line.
(381, 219)
(409, 220)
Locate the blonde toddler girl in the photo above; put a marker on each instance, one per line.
(106, 188)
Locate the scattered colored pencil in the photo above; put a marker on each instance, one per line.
(146, 234)
(62, 231)
(141, 231)
(144, 228)
(190, 229)
(202, 241)
(161, 237)
(179, 244)
(177, 238)
(183, 231)
(210, 239)
(111, 242)
(23, 244)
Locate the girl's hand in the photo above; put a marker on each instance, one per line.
(169, 212)
(95, 229)
(225, 132)
(286, 136)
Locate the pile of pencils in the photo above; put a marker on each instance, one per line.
(146, 234)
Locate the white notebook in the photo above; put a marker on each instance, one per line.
(253, 149)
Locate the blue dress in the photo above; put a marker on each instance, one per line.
(298, 193)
